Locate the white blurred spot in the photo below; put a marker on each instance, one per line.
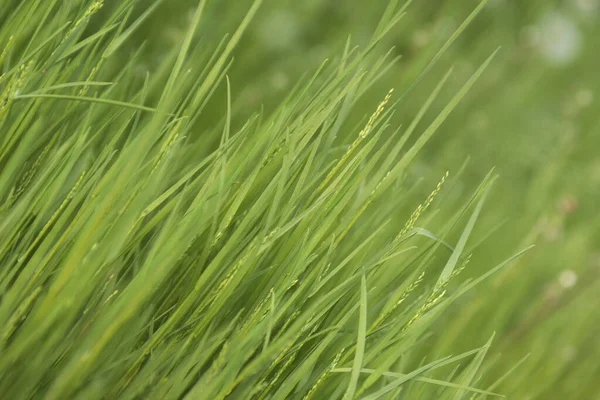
(568, 279)
(559, 39)
(587, 5)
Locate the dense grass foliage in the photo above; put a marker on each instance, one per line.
(303, 208)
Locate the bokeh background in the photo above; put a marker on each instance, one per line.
(533, 117)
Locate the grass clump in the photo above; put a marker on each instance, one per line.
(150, 252)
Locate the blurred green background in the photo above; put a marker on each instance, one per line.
(533, 116)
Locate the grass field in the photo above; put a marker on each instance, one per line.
(276, 199)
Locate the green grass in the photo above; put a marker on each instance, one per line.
(189, 214)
